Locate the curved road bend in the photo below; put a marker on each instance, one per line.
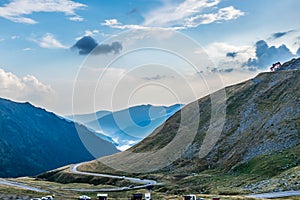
(145, 182)
(73, 169)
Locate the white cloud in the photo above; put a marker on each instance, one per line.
(110, 22)
(174, 13)
(114, 23)
(224, 14)
(76, 18)
(218, 53)
(17, 10)
(14, 37)
(91, 33)
(27, 49)
(49, 42)
(27, 88)
(188, 14)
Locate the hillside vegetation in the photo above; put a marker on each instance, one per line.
(258, 149)
(33, 140)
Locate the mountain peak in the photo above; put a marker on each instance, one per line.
(291, 65)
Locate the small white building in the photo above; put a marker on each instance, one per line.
(102, 196)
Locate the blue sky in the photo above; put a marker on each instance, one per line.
(38, 64)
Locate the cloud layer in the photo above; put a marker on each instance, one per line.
(87, 45)
(27, 88)
(48, 41)
(171, 14)
(224, 14)
(17, 10)
(280, 34)
(188, 14)
(266, 55)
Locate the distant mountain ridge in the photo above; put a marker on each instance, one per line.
(33, 140)
(128, 126)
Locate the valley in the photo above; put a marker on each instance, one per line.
(239, 164)
(149, 100)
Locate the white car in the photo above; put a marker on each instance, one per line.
(84, 197)
(47, 198)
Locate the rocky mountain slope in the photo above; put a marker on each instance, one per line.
(33, 140)
(260, 138)
(262, 117)
(258, 149)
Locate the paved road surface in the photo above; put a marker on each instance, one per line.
(145, 182)
(276, 194)
(20, 185)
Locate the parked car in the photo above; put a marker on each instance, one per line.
(84, 197)
(49, 197)
(137, 196)
(147, 196)
(190, 197)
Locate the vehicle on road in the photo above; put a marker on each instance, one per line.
(84, 197)
(148, 196)
(49, 197)
(138, 196)
(190, 197)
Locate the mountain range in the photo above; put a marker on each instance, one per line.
(33, 140)
(259, 141)
(128, 126)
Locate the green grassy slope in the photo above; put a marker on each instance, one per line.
(259, 141)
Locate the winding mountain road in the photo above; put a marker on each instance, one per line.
(145, 182)
(22, 186)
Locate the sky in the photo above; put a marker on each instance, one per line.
(71, 56)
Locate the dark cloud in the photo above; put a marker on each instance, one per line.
(232, 54)
(225, 70)
(133, 11)
(228, 70)
(298, 52)
(266, 55)
(87, 45)
(114, 47)
(280, 34)
(155, 78)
